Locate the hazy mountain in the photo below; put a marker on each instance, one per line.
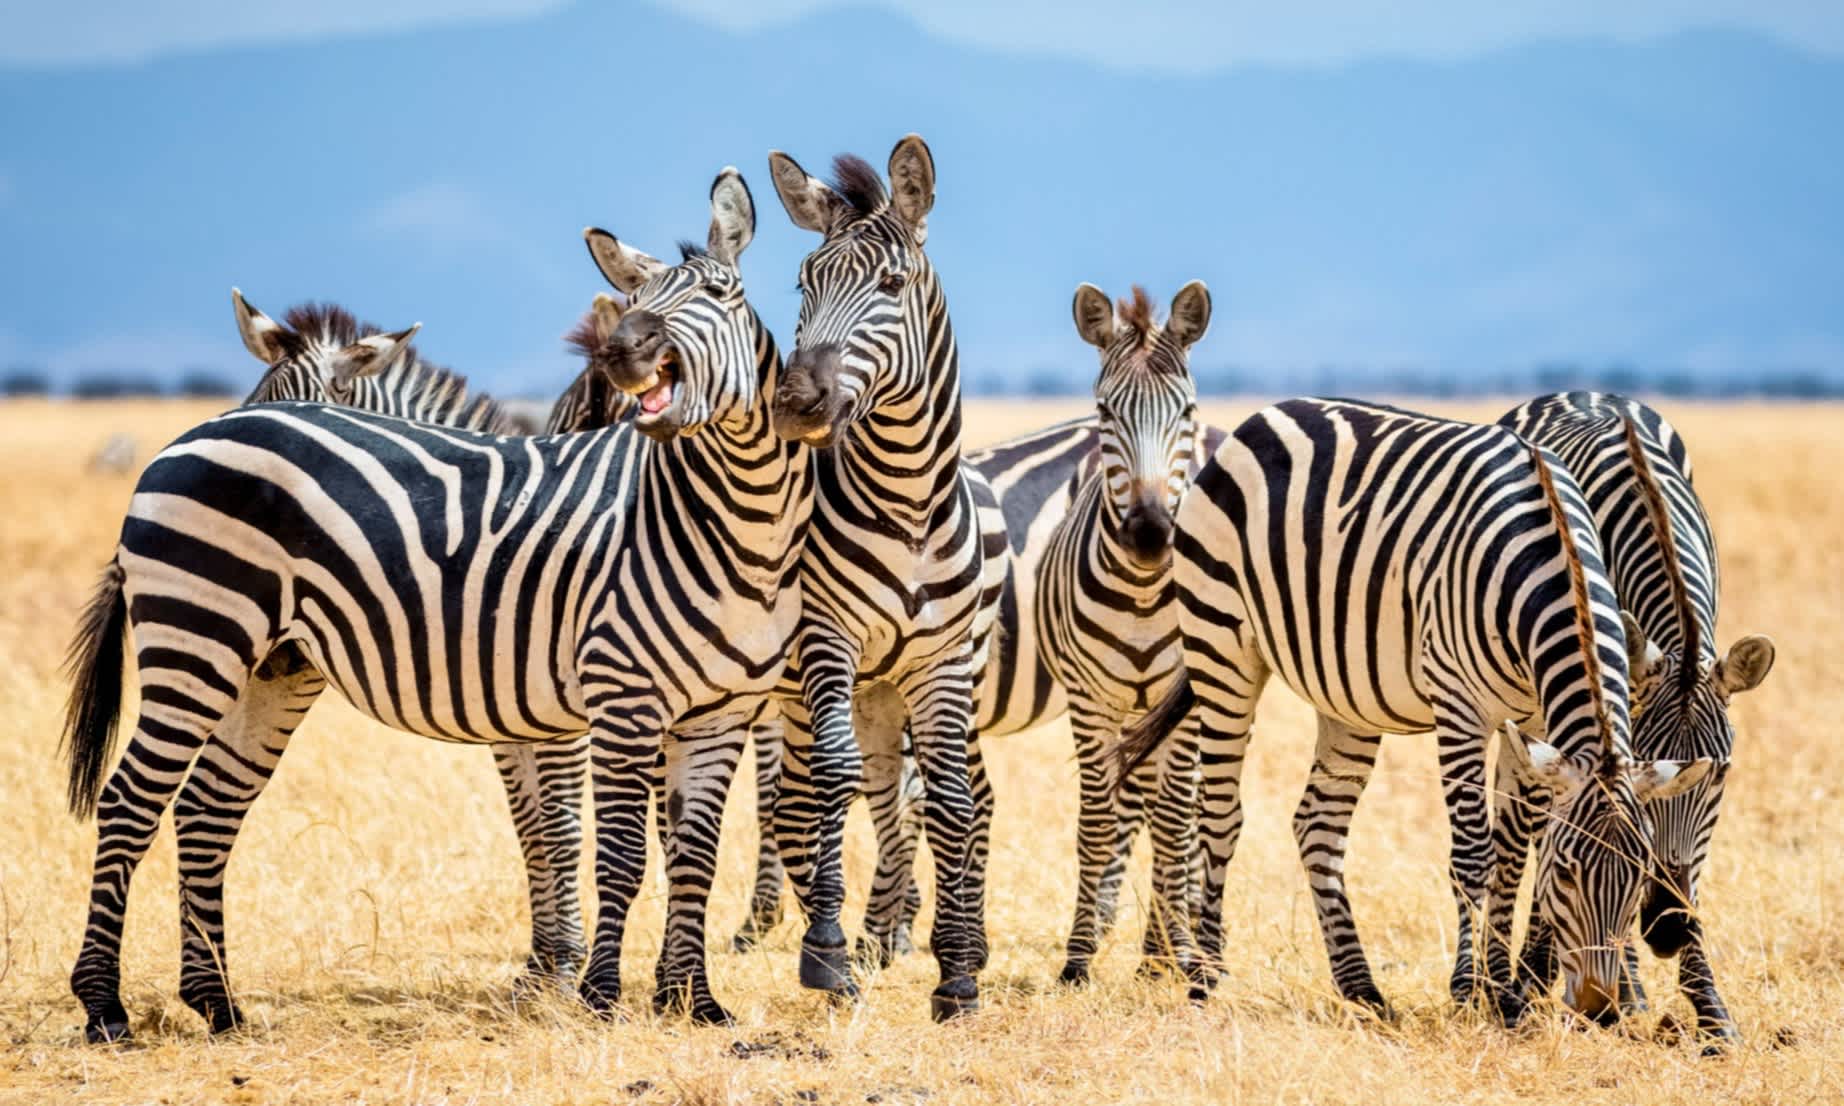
(1666, 208)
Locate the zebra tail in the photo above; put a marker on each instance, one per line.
(1137, 741)
(95, 707)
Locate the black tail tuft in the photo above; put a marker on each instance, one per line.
(95, 706)
(1138, 740)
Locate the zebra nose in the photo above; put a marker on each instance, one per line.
(634, 349)
(806, 400)
(1146, 530)
(1665, 918)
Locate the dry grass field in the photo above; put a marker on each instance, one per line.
(377, 910)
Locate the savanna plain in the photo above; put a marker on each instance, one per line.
(377, 911)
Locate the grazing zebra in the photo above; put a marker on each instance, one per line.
(630, 582)
(318, 353)
(1105, 625)
(1635, 474)
(1404, 573)
(900, 578)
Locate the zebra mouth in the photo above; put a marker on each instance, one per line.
(658, 393)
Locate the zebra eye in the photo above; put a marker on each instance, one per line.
(891, 284)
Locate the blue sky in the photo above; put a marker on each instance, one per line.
(1445, 186)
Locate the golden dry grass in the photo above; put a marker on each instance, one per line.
(376, 907)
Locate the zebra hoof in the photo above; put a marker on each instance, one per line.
(699, 1009)
(600, 995)
(827, 968)
(1158, 967)
(875, 953)
(1075, 973)
(98, 1032)
(1511, 1010)
(957, 998)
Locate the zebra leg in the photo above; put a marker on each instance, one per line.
(226, 780)
(765, 900)
(698, 775)
(979, 854)
(1129, 801)
(1461, 751)
(941, 721)
(1698, 983)
(879, 715)
(822, 771)
(1228, 683)
(1169, 942)
(183, 698)
(1633, 998)
(1519, 813)
(544, 790)
(1342, 763)
(1095, 727)
(624, 749)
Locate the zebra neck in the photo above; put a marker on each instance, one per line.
(1107, 556)
(899, 465)
(1639, 575)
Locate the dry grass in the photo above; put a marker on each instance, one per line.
(376, 909)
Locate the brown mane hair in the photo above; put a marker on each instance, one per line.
(1659, 515)
(1578, 589)
(858, 184)
(1137, 311)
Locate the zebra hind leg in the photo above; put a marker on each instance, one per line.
(544, 791)
(1460, 747)
(940, 710)
(765, 899)
(226, 780)
(1342, 764)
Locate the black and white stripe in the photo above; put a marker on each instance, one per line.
(1635, 473)
(900, 584)
(473, 588)
(1404, 573)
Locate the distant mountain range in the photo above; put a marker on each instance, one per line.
(1669, 214)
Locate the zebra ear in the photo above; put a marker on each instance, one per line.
(622, 265)
(262, 336)
(1657, 780)
(809, 202)
(371, 355)
(1745, 666)
(733, 216)
(1190, 314)
(912, 182)
(1094, 316)
(1538, 763)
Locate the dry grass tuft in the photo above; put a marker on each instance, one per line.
(376, 909)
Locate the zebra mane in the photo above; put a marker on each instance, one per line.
(858, 184)
(1659, 515)
(1137, 312)
(582, 337)
(1578, 589)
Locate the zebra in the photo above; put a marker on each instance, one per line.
(1104, 621)
(901, 576)
(1402, 573)
(317, 353)
(1635, 472)
(626, 582)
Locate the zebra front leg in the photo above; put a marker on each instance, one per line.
(1228, 684)
(1519, 811)
(879, 716)
(624, 749)
(1096, 726)
(821, 773)
(226, 780)
(1169, 941)
(544, 790)
(179, 710)
(698, 774)
(1460, 747)
(1698, 983)
(941, 719)
(979, 854)
(765, 899)
(1342, 763)
(1130, 799)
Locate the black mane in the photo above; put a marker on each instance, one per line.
(858, 183)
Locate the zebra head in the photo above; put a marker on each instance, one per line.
(1147, 403)
(320, 357)
(687, 341)
(868, 295)
(1594, 859)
